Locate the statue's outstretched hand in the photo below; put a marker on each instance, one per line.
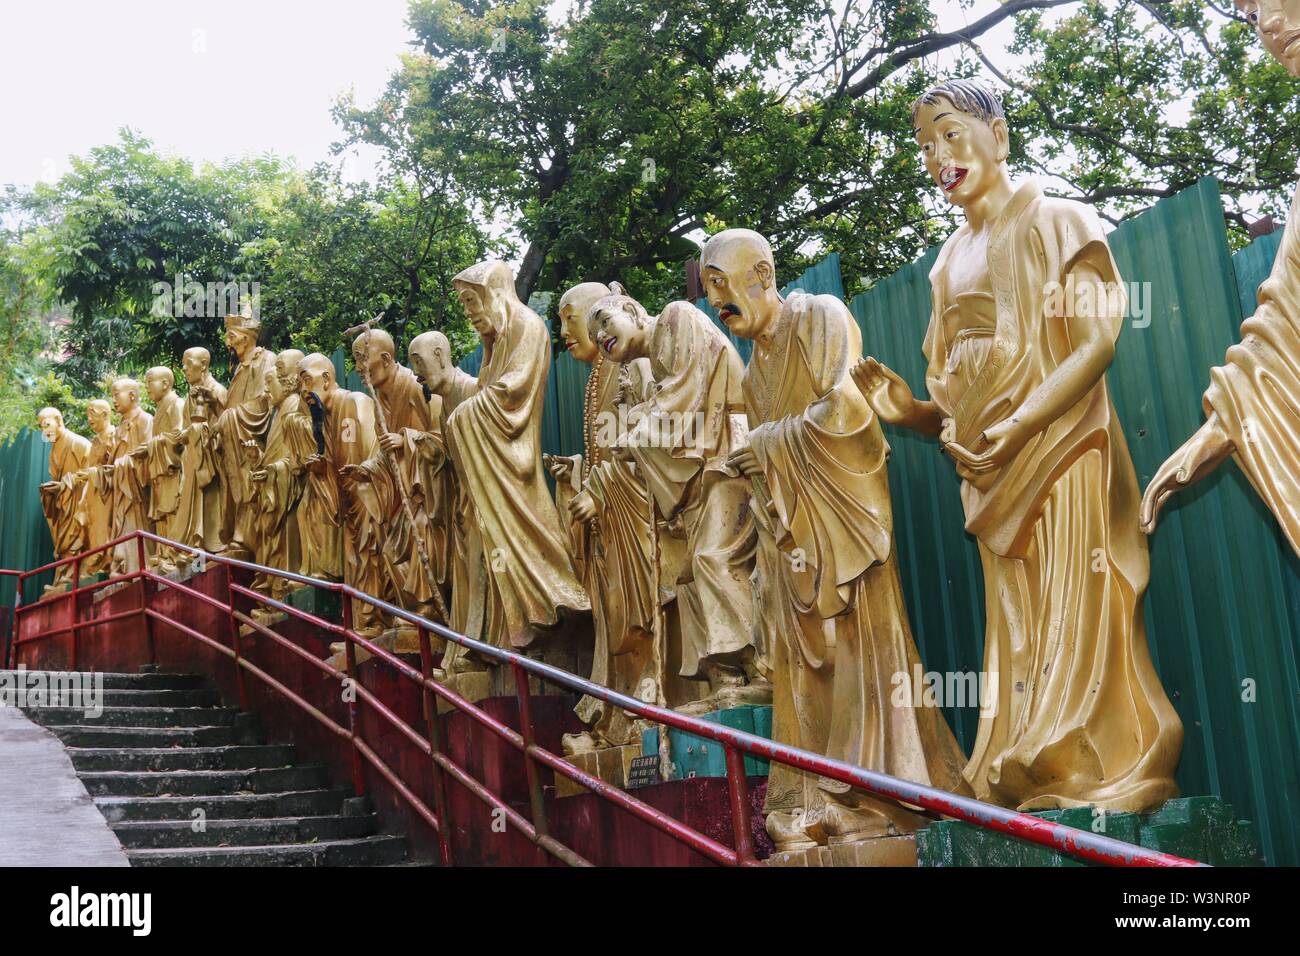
(884, 390)
(1197, 457)
(583, 507)
(745, 462)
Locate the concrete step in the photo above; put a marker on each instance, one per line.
(258, 831)
(363, 851)
(116, 681)
(79, 735)
(237, 757)
(133, 697)
(124, 783)
(232, 806)
(178, 717)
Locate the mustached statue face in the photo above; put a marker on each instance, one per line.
(612, 329)
(962, 153)
(1278, 24)
(312, 379)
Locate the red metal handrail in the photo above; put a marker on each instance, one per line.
(1086, 845)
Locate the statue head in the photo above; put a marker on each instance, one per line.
(1278, 24)
(430, 356)
(194, 364)
(962, 132)
(50, 421)
(487, 294)
(376, 352)
(126, 395)
(282, 378)
(739, 276)
(315, 375)
(99, 416)
(242, 331)
(619, 325)
(574, 306)
(158, 381)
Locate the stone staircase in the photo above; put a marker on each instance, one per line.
(184, 781)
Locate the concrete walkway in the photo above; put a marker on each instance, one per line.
(46, 816)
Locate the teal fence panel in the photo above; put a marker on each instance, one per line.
(24, 536)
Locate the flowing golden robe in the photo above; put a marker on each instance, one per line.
(68, 455)
(95, 495)
(130, 488)
(614, 552)
(1079, 716)
(1256, 393)
(163, 467)
(495, 441)
(247, 416)
(406, 581)
(349, 440)
(278, 544)
(843, 633)
(199, 508)
(681, 438)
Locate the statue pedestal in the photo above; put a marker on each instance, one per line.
(880, 851)
(610, 764)
(1198, 828)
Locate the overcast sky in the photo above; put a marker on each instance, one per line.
(203, 79)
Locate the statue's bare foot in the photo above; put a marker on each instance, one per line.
(849, 824)
(753, 694)
(795, 830)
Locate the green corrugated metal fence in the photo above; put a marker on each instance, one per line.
(24, 536)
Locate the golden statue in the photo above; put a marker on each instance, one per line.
(247, 417)
(494, 437)
(680, 439)
(399, 565)
(278, 474)
(332, 521)
(1251, 405)
(95, 487)
(609, 531)
(129, 478)
(1019, 402)
(817, 459)
(429, 355)
(199, 508)
(162, 464)
(59, 496)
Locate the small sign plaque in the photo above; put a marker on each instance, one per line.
(643, 772)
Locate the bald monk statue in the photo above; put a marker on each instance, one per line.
(129, 478)
(817, 459)
(94, 487)
(199, 507)
(162, 463)
(495, 442)
(277, 473)
(680, 442)
(59, 498)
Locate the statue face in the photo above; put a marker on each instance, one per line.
(573, 327)
(239, 341)
(310, 380)
(275, 390)
(158, 386)
(481, 308)
(736, 290)
(429, 368)
(615, 331)
(195, 367)
(124, 399)
(97, 416)
(49, 426)
(380, 366)
(1278, 24)
(963, 154)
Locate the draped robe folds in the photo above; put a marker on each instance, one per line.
(1075, 713)
(495, 441)
(614, 554)
(163, 468)
(130, 488)
(406, 580)
(842, 635)
(680, 439)
(68, 455)
(1256, 393)
(199, 507)
(279, 495)
(350, 440)
(95, 496)
(247, 416)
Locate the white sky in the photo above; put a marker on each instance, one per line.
(205, 79)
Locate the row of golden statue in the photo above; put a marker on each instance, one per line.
(749, 558)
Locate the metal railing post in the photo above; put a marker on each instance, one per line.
(741, 818)
(76, 609)
(234, 639)
(350, 656)
(435, 748)
(535, 794)
(144, 599)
